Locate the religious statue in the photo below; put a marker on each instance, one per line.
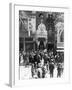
(41, 31)
(42, 34)
(50, 22)
(41, 26)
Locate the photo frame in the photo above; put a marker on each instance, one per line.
(30, 26)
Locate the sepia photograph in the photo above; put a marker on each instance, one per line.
(41, 44)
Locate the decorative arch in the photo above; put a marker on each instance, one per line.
(62, 36)
(60, 29)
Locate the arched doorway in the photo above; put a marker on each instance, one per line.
(41, 45)
(50, 46)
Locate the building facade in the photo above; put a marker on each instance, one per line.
(41, 30)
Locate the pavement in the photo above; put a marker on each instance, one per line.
(25, 73)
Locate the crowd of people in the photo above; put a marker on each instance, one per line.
(42, 63)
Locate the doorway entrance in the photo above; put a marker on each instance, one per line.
(41, 45)
(50, 46)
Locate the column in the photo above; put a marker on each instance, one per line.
(34, 46)
(24, 43)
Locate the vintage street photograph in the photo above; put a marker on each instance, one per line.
(41, 44)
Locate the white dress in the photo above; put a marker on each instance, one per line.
(41, 31)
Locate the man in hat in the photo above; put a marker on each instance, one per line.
(51, 69)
